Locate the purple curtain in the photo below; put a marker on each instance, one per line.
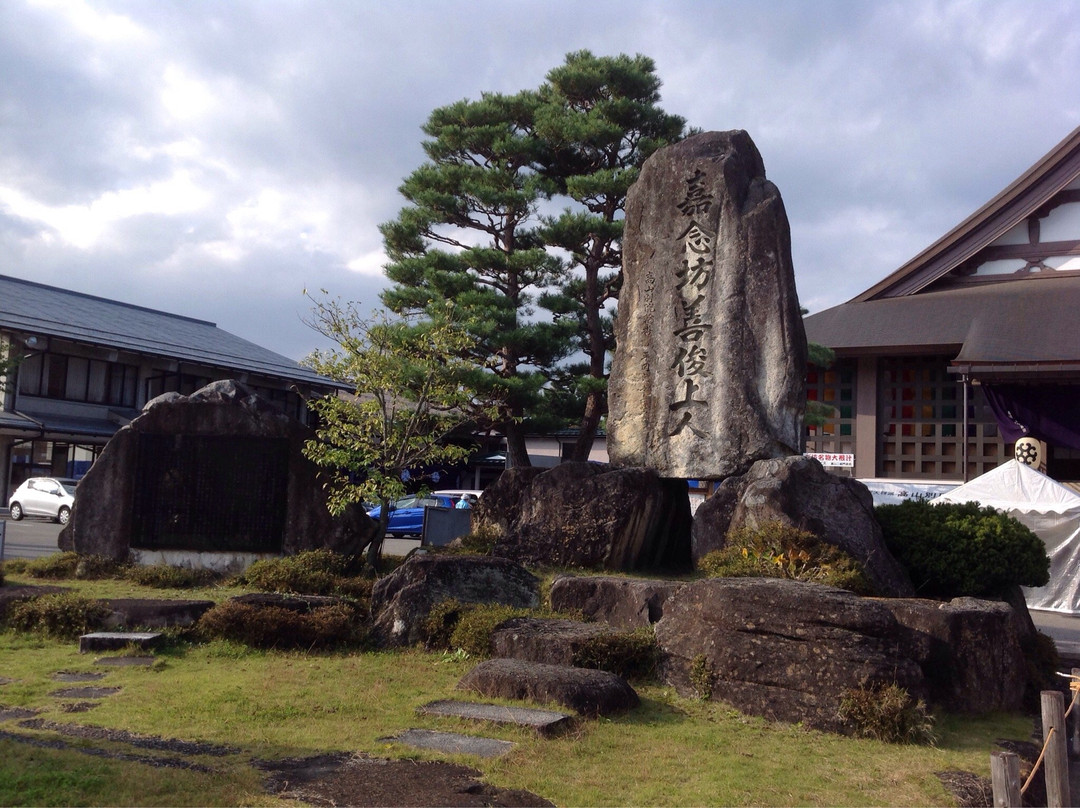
(1049, 412)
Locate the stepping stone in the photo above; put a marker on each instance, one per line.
(114, 640)
(79, 706)
(12, 713)
(72, 676)
(124, 661)
(84, 692)
(545, 722)
(452, 743)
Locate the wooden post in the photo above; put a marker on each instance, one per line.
(1056, 761)
(1005, 777)
(1074, 749)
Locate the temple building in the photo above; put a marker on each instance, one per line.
(87, 365)
(967, 348)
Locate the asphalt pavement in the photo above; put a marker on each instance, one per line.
(27, 538)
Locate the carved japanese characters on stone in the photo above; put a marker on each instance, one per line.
(708, 374)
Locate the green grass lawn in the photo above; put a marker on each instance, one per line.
(269, 705)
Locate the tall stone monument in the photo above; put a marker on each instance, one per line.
(708, 375)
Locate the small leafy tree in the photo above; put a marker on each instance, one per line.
(407, 398)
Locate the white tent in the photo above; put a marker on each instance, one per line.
(1051, 510)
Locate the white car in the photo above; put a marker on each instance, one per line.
(51, 497)
(472, 496)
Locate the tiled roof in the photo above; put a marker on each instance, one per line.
(49, 311)
(1017, 323)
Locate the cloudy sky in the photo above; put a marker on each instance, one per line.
(214, 158)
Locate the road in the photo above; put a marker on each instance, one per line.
(28, 538)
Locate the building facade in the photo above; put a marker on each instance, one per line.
(973, 344)
(85, 366)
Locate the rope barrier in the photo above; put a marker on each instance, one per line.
(1038, 763)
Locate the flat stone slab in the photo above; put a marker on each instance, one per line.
(545, 722)
(125, 661)
(73, 676)
(15, 713)
(452, 743)
(115, 640)
(84, 692)
(79, 706)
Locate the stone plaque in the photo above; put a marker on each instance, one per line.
(709, 372)
(210, 493)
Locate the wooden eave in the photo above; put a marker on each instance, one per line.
(1021, 199)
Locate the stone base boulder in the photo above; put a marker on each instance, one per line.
(798, 491)
(583, 690)
(785, 650)
(552, 642)
(626, 603)
(969, 651)
(590, 515)
(150, 488)
(401, 602)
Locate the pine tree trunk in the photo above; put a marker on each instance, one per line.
(590, 420)
(516, 452)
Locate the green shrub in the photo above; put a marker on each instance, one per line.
(16, 566)
(954, 550)
(313, 572)
(629, 654)
(701, 677)
(477, 622)
(64, 615)
(887, 713)
(166, 576)
(60, 566)
(778, 550)
(439, 625)
(320, 628)
(480, 542)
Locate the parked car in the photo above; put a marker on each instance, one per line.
(51, 497)
(407, 513)
(472, 496)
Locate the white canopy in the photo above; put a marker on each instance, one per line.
(1051, 511)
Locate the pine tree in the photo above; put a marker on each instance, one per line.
(599, 119)
(470, 234)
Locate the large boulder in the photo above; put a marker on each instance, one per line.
(548, 640)
(219, 471)
(626, 603)
(786, 650)
(709, 372)
(590, 515)
(402, 601)
(798, 491)
(969, 650)
(584, 690)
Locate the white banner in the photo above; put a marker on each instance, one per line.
(833, 460)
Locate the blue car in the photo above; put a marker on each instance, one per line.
(407, 514)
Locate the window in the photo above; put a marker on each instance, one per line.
(75, 378)
(921, 419)
(834, 387)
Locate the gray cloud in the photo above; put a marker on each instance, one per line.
(215, 159)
